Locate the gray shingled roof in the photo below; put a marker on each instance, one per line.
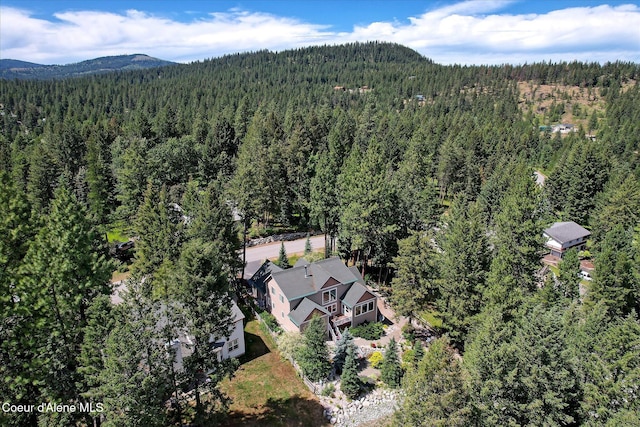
(566, 231)
(295, 284)
(357, 274)
(236, 313)
(353, 295)
(264, 272)
(304, 310)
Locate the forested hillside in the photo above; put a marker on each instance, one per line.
(420, 173)
(13, 69)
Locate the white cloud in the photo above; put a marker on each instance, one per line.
(466, 32)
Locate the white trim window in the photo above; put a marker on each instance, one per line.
(329, 296)
(332, 308)
(364, 308)
(234, 345)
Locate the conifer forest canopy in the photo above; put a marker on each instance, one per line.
(421, 174)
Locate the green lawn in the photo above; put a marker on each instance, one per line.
(117, 233)
(432, 317)
(266, 390)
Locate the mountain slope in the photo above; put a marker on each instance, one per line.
(14, 69)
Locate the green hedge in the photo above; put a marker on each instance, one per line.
(368, 331)
(271, 322)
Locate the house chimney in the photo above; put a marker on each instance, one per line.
(306, 272)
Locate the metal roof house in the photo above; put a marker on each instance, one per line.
(324, 288)
(562, 236)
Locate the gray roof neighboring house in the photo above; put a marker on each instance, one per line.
(308, 279)
(262, 274)
(305, 310)
(356, 293)
(563, 232)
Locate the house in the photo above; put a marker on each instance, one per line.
(324, 288)
(563, 128)
(562, 236)
(225, 347)
(258, 281)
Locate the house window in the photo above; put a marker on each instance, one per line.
(273, 290)
(233, 345)
(329, 296)
(346, 310)
(364, 308)
(332, 308)
(282, 314)
(281, 298)
(273, 305)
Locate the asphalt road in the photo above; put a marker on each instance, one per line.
(256, 255)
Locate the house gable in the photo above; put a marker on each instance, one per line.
(331, 282)
(366, 297)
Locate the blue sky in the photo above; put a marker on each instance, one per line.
(464, 32)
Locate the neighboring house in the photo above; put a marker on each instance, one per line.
(563, 128)
(258, 282)
(225, 347)
(562, 236)
(325, 288)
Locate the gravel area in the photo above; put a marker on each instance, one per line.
(375, 405)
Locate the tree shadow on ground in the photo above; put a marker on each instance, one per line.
(255, 347)
(295, 411)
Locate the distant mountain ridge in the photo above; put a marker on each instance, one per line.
(15, 69)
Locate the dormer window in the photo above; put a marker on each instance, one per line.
(329, 296)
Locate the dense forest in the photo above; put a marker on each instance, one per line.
(421, 174)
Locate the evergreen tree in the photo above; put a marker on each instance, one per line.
(614, 282)
(568, 278)
(368, 205)
(132, 174)
(19, 325)
(203, 294)
(518, 245)
(435, 393)
(342, 346)
(283, 260)
(418, 350)
(572, 187)
(414, 285)
(134, 386)
(464, 264)
(520, 371)
(211, 221)
(313, 355)
(391, 371)
(98, 180)
(100, 323)
(618, 204)
(350, 383)
(307, 246)
(65, 269)
(159, 228)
